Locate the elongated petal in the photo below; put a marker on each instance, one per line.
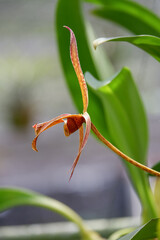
(82, 141)
(77, 68)
(78, 156)
(41, 127)
(80, 137)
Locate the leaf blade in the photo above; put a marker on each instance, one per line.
(119, 95)
(147, 231)
(155, 167)
(121, 132)
(69, 13)
(148, 43)
(11, 197)
(128, 14)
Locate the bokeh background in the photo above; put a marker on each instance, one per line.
(32, 89)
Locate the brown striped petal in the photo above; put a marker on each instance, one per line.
(82, 141)
(77, 68)
(41, 127)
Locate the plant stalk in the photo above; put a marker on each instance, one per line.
(143, 189)
(122, 155)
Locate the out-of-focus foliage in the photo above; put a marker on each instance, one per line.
(150, 44)
(128, 14)
(119, 129)
(156, 167)
(69, 13)
(148, 231)
(125, 118)
(124, 112)
(12, 197)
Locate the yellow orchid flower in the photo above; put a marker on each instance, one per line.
(74, 122)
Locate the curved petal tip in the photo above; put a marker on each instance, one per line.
(34, 144)
(67, 28)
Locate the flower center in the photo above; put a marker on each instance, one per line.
(72, 124)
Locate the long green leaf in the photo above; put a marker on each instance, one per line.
(157, 196)
(69, 13)
(128, 14)
(124, 113)
(155, 167)
(10, 197)
(149, 44)
(148, 231)
(127, 125)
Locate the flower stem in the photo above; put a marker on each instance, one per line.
(121, 154)
(139, 179)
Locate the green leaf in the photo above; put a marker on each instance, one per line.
(10, 197)
(69, 13)
(158, 235)
(157, 195)
(149, 44)
(155, 167)
(147, 231)
(124, 113)
(126, 122)
(130, 15)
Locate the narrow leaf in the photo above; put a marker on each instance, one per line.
(155, 167)
(147, 231)
(157, 194)
(128, 14)
(124, 113)
(127, 124)
(69, 13)
(10, 197)
(149, 44)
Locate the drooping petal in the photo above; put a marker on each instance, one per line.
(41, 127)
(77, 68)
(78, 156)
(82, 141)
(80, 137)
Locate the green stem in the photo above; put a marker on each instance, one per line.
(142, 187)
(148, 202)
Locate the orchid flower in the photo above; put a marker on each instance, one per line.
(74, 122)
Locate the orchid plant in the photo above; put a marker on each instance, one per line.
(74, 122)
(124, 13)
